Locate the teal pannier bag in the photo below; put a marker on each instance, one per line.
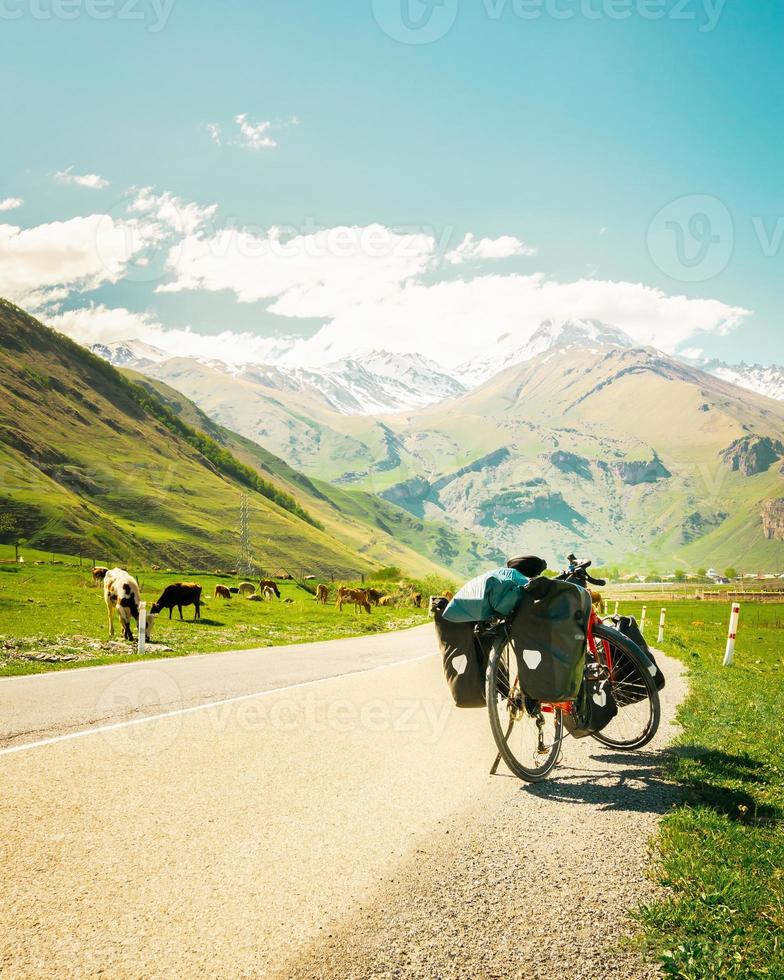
(496, 593)
(548, 634)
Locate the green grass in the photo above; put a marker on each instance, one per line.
(722, 851)
(57, 611)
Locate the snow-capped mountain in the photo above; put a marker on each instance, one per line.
(764, 379)
(373, 383)
(130, 353)
(549, 335)
(377, 382)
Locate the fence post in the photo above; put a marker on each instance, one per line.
(142, 626)
(642, 619)
(660, 637)
(731, 633)
(616, 608)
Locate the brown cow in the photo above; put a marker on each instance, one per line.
(246, 588)
(374, 596)
(417, 600)
(267, 583)
(221, 592)
(386, 600)
(357, 596)
(598, 601)
(179, 594)
(322, 594)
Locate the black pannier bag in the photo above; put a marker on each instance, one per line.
(463, 659)
(628, 626)
(548, 636)
(594, 708)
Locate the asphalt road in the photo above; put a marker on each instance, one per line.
(40, 706)
(318, 810)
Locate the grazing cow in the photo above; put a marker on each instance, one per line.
(268, 594)
(255, 598)
(99, 572)
(322, 594)
(221, 592)
(180, 594)
(417, 600)
(233, 590)
(267, 583)
(121, 595)
(374, 596)
(246, 588)
(357, 596)
(386, 600)
(598, 601)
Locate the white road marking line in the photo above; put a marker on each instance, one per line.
(202, 707)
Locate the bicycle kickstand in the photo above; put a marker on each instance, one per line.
(494, 767)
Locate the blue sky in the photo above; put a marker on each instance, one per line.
(568, 126)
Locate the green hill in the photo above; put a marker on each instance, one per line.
(94, 464)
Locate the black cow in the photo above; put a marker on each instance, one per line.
(180, 594)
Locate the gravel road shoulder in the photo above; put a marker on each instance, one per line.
(505, 889)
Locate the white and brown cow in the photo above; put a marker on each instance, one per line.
(121, 594)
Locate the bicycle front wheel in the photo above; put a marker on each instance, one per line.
(627, 671)
(528, 738)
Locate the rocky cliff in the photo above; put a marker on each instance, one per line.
(773, 519)
(752, 454)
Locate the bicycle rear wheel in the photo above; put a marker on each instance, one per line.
(528, 738)
(633, 688)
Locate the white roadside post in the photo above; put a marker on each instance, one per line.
(660, 637)
(616, 608)
(730, 651)
(142, 625)
(642, 619)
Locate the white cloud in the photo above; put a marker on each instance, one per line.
(367, 284)
(43, 264)
(91, 181)
(452, 322)
(255, 136)
(165, 214)
(473, 249)
(11, 203)
(102, 325)
(371, 286)
(315, 274)
(249, 135)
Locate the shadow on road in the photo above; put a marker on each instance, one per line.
(640, 786)
(643, 782)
